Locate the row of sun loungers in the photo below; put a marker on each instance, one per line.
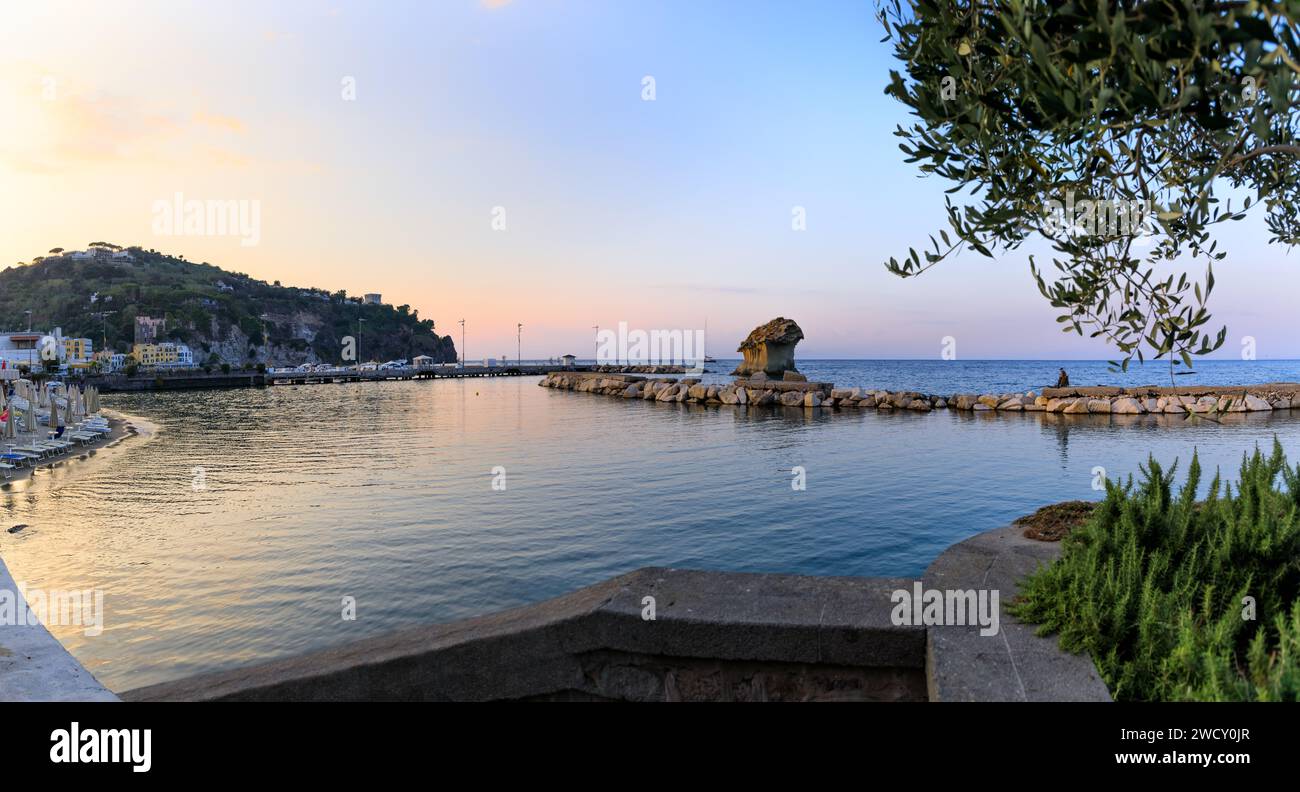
(29, 453)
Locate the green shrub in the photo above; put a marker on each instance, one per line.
(1154, 586)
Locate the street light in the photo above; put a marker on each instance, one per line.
(103, 315)
(463, 357)
(519, 344)
(595, 360)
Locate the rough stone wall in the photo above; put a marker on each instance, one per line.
(1207, 402)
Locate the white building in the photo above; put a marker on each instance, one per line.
(373, 299)
(31, 348)
(21, 348)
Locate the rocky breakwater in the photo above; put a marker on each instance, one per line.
(643, 368)
(792, 391)
(1200, 400)
(767, 377)
(758, 393)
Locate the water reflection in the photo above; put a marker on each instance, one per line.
(383, 493)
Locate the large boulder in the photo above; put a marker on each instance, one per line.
(769, 349)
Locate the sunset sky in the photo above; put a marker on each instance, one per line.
(659, 213)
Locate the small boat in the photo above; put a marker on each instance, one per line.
(710, 359)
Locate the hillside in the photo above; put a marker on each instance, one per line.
(223, 316)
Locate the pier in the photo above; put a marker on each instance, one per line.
(146, 381)
(438, 372)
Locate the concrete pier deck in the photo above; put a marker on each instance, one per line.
(33, 665)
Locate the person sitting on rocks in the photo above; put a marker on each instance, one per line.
(1063, 381)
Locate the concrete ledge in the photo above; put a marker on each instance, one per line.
(1016, 664)
(33, 665)
(722, 636)
(715, 636)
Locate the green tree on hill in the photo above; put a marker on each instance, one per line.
(287, 324)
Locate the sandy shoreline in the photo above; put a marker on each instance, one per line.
(121, 428)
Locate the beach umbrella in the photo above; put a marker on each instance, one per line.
(54, 414)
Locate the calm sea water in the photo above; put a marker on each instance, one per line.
(232, 532)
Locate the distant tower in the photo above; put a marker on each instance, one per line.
(148, 330)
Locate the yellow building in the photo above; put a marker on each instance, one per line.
(77, 350)
(154, 354)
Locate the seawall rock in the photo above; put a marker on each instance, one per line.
(762, 391)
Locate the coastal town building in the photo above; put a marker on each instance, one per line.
(20, 348)
(153, 354)
(166, 354)
(78, 350)
(30, 348)
(99, 254)
(373, 299)
(148, 330)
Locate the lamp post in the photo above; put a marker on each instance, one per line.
(519, 344)
(463, 357)
(103, 316)
(595, 358)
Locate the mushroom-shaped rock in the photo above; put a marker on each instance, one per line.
(769, 349)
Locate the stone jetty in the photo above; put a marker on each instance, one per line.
(642, 368)
(768, 378)
(760, 391)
